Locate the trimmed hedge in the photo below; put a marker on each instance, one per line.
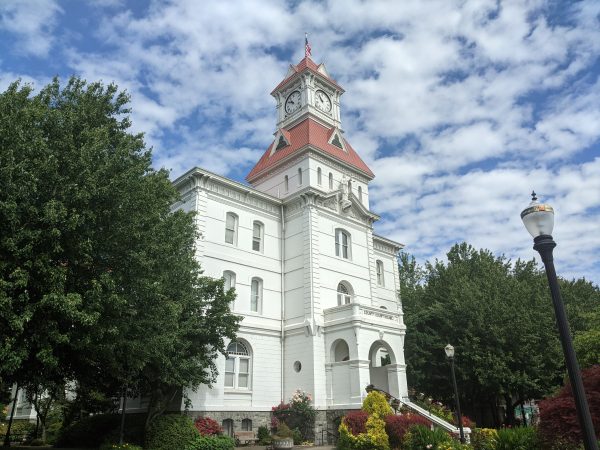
(172, 432)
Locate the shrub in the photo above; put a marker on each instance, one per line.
(298, 413)
(20, 430)
(211, 443)
(297, 436)
(396, 426)
(170, 432)
(90, 431)
(263, 436)
(420, 437)
(558, 416)
(283, 432)
(356, 421)
(376, 403)
(484, 438)
(207, 426)
(520, 438)
(466, 422)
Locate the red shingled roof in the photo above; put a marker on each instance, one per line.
(307, 64)
(308, 132)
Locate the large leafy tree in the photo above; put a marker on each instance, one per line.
(98, 279)
(499, 317)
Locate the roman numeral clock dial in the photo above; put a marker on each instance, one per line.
(292, 104)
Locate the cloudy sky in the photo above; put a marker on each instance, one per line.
(460, 108)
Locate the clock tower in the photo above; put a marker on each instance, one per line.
(308, 91)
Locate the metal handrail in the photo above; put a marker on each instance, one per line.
(419, 410)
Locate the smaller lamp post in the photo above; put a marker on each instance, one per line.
(395, 404)
(538, 218)
(450, 355)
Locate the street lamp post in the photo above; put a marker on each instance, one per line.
(450, 354)
(539, 221)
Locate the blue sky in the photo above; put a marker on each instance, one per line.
(459, 108)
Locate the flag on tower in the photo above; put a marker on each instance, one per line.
(306, 46)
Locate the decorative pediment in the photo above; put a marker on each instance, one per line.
(346, 205)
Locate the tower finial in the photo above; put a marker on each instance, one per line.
(307, 52)
(533, 196)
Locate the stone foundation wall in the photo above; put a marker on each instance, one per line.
(258, 418)
(325, 430)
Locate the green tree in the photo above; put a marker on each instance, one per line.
(499, 319)
(98, 279)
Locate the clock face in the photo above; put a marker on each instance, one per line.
(322, 101)
(292, 103)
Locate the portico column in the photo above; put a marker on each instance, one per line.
(396, 374)
(359, 379)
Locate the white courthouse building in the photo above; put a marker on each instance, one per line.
(317, 289)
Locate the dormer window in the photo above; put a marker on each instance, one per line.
(281, 143)
(336, 141)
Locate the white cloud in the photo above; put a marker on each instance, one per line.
(32, 22)
(459, 108)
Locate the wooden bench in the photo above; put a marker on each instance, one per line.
(245, 437)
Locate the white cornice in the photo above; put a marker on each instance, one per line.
(386, 245)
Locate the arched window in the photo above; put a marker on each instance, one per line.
(349, 186)
(256, 288)
(382, 307)
(287, 183)
(379, 267)
(342, 243)
(246, 425)
(231, 225)
(330, 181)
(237, 366)
(360, 193)
(341, 352)
(343, 294)
(257, 236)
(229, 278)
(228, 427)
(319, 176)
(299, 175)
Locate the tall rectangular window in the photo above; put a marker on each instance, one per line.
(257, 236)
(342, 243)
(231, 228)
(379, 267)
(255, 294)
(229, 372)
(319, 176)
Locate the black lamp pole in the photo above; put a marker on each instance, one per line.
(458, 414)
(544, 244)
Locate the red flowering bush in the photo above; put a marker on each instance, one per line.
(558, 416)
(396, 426)
(357, 421)
(207, 426)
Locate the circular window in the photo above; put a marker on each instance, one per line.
(297, 366)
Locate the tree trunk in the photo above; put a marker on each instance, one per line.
(510, 410)
(12, 414)
(159, 401)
